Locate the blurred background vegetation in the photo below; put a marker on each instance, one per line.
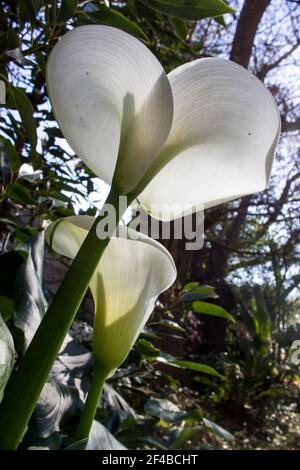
(213, 368)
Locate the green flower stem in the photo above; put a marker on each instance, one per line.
(25, 386)
(90, 407)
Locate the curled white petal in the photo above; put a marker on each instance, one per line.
(133, 271)
(112, 100)
(223, 138)
(27, 173)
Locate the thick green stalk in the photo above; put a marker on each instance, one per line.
(25, 386)
(90, 407)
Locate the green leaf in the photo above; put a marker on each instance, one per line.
(146, 349)
(7, 355)
(189, 286)
(28, 9)
(24, 106)
(12, 39)
(168, 411)
(220, 20)
(171, 325)
(60, 397)
(197, 367)
(30, 302)
(189, 9)
(193, 291)
(6, 307)
(67, 10)
(101, 439)
(164, 409)
(114, 401)
(261, 317)
(218, 430)
(185, 435)
(55, 403)
(260, 310)
(179, 27)
(13, 156)
(211, 309)
(113, 18)
(19, 194)
(73, 362)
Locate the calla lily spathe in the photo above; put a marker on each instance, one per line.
(114, 104)
(112, 100)
(134, 270)
(222, 142)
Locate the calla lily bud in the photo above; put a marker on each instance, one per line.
(134, 270)
(222, 142)
(112, 100)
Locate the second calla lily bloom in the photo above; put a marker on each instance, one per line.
(222, 143)
(115, 103)
(132, 273)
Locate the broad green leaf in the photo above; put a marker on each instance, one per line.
(113, 18)
(19, 194)
(204, 369)
(7, 355)
(101, 439)
(218, 430)
(74, 361)
(67, 10)
(211, 309)
(60, 397)
(55, 403)
(114, 401)
(193, 291)
(30, 302)
(24, 106)
(150, 352)
(168, 411)
(163, 409)
(189, 9)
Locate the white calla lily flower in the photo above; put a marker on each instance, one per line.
(203, 135)
(222, 142)
(112, 100)
(134, 270)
